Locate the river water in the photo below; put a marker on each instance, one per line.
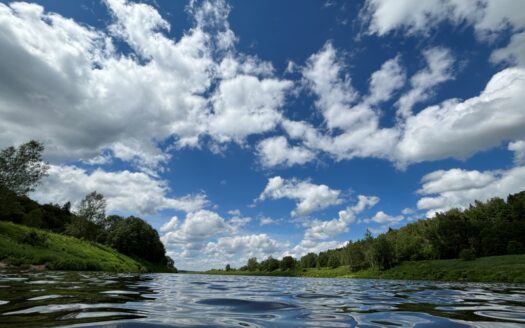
(173, 300)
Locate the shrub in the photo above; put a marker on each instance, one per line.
(515, 247)
(467, 254)
(34, 239)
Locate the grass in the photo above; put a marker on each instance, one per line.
(506, 268)
(23, 247)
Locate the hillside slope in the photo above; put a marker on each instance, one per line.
(21, 246)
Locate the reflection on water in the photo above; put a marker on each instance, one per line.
(165, 300)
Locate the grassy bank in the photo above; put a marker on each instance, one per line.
(25, 247)
(506, 268)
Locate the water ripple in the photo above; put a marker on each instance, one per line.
(177, 300)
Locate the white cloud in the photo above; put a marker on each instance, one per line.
(238, 249)
(264, 220)
(196, 229)
(464, 187)
(170, 225)
(248, 100)
(413, 16)
(518, 147)
(385, 82)
(321, 230)
(133, 192)
(459, 129)
(310, 197)
(276, 151)
(513, 53)
(309, 246)
(423, 83)
(323, 74)
(383, 218)
(66, 84)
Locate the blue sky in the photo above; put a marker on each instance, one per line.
(260, 128)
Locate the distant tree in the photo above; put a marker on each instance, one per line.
(322, 259)
(333, 261)
(170, 263)
(133, 236)
(227, 268)
(22, 168)
(515, 247)
(252, 264)
(288, 263)
(269, 265)
(82, 228)
(309, 260)
(93, 208)
(383, 253)
(467, 254)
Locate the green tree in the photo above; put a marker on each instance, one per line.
(134, 237)
(269, 265)
(228, 267)
(82, 228)
(22, 168)
(252, 264)
(383, 254)
(93, 208)
(288, 263)
(309, 260)
(333, 260)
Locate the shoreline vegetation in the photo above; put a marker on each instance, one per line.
(504, 268)
(484, 242)
(53, 236)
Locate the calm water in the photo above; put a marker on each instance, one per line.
(161, 300)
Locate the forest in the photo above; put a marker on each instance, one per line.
(22, 168)
(494, 227)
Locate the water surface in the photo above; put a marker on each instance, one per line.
(183, 300)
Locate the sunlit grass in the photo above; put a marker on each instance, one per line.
(505, 268)
(20, 248)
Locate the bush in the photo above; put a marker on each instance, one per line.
(467, 254)
(515, 247)
(34, 239)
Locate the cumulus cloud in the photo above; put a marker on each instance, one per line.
(513, 53)
(277, 151)
(439, 69)
(87, 97)
(465, 126)
(321, 230)
(457, 188)
(386, 81)
(238, 249)
(469, 126)
(133, 192)
(264, 220)
(310, 197)
(518, 147)
(412, 16)
(170, 225)
(351, 121)
(196, 228)
(385, 219)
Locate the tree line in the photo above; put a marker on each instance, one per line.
(494, 227)
(22, 168)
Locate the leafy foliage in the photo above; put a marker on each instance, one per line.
(22, 168)
(494, 227)
(133, 236)
(93, 208)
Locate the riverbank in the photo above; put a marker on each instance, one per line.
(29, 248)
(505, 268)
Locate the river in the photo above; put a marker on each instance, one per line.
(41, 299)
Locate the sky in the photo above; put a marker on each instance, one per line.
(246, 129)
